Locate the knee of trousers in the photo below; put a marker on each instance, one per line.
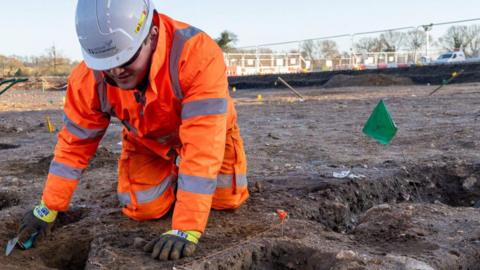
(151, 210)
(229, 198)
(145, 183)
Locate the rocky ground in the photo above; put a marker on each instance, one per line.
(410, 205)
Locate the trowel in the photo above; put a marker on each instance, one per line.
(23, 245)
(11, 245)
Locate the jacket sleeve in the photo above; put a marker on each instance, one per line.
(202, 76)
(84, 126)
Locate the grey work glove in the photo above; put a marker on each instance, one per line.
(173, 245)
(35, 224)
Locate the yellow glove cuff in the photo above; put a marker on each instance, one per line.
(192, 236)
(42, 212)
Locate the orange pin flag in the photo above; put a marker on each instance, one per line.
(282, 215)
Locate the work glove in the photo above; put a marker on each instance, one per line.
(173, 245)
(35, 224)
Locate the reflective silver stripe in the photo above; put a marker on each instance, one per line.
(178, 160)
(80, 132)
(124, 198)
(225, 180)
(207, 106)
(180, 37)
(105, 106)
(196, 184)
(241, 180)
(63, 170)
(148, 195)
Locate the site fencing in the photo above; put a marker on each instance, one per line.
(390, 48)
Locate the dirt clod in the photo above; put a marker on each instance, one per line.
(70, 217)
(258, 187)
(139, 243)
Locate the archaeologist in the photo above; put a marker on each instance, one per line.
(181, 147)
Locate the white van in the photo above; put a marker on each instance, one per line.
(450, 57)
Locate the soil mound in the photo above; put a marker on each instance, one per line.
(366, 80)
(45, 83)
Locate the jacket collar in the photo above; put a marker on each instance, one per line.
(160, 55)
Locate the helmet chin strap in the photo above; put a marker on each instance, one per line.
(108, 80)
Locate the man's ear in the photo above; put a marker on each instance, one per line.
(153, 37)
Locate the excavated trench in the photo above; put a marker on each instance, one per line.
(5, 146)
(271, 254)
(68, 247)
(338, 204)
(69, 250)
(8, 199)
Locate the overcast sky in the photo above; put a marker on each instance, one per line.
(28, 27)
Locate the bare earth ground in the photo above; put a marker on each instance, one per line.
(411, 207)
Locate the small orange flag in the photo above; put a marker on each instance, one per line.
(282, 215)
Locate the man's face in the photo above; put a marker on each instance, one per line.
(131, 74)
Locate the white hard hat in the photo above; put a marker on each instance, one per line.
(111, 31)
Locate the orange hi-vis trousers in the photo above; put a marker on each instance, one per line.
(146, 185)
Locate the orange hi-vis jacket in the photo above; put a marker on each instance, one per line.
(186, 109)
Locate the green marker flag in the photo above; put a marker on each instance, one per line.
(380, 125)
